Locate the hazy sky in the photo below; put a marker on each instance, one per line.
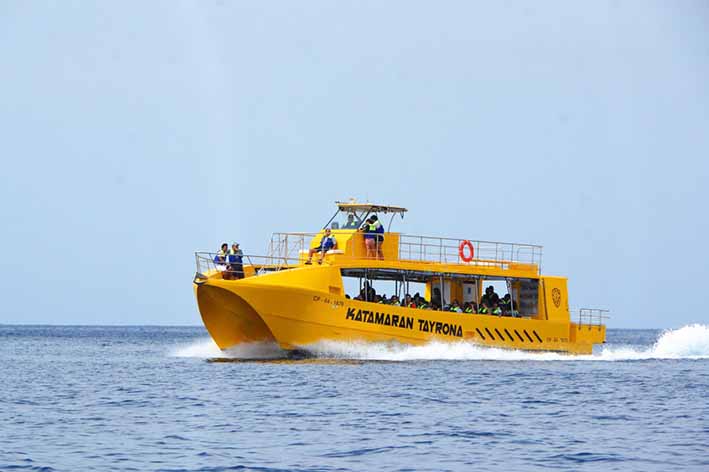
(134, 133)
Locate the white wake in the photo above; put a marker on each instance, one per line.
(688, 342)
(208, 349)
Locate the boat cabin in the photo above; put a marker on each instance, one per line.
(451, 270)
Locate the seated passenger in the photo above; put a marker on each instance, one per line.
(509, 308)
(326, 243)
(467, 308)
(506, 304)
(394, 300)
(367, 293)
(455, 307)
(490, 302)
(408, 302)
(351, 223)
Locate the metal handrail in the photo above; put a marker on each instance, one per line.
(472, 240)
(446, 250)
(286, 244)
(592, 316)
(205, 263)
(426, 249)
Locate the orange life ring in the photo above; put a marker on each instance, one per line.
(461, 251)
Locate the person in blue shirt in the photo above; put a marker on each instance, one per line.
(327, 243)
(378, 229)
(220, 257)
(373, 237)
(235, 257)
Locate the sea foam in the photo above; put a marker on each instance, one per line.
(688, 342)
(208, 349)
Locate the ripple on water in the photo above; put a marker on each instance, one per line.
(153, 402)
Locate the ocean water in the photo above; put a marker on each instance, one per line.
(165, 398)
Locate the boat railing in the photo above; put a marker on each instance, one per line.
(592, 316)
(426, 249)
(447, 250)
(207, 263)
(289, 245)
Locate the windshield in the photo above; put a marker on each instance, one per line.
(347, 219)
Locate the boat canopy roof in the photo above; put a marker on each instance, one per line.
(356, 213)
(353, 206)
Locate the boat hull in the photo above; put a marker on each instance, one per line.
(298, 317)
(229, 319)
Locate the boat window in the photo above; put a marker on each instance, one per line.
(528, 296)
(500, 286)
(445, 290)
(355, 286)
(523, 294)
(346, 220)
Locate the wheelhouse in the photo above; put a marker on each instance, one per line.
(351, 215)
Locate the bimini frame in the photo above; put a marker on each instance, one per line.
(363, 210)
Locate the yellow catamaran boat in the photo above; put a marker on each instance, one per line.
(281, 298)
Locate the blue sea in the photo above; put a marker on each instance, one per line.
(78, 398)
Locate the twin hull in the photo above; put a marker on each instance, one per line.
(258, 310)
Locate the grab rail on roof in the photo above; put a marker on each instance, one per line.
(426, 249)
(447, 250)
